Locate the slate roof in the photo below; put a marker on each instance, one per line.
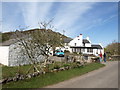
(79, 47)
(67, 40)
(92, 47)
(97, 46)
(86, 41)
(8, 42)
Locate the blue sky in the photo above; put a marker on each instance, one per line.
(97, 20)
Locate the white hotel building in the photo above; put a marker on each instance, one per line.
(84, 46)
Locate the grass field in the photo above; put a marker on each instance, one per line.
(52, 78)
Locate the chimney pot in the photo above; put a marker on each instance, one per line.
(87, 38)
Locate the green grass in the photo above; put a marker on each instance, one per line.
(11, 71)
(52, 78)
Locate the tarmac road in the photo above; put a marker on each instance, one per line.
(106, 77)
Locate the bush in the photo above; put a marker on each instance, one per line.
(75, 53)
(56, 67)
(66, 51)
(66, 65)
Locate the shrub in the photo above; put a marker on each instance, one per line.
(66, 51)
(66, 65)
(56, 67)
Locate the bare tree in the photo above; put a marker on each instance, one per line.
(38, 42)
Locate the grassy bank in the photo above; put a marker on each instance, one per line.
(11, 71)
(52, 78)
(8, 71)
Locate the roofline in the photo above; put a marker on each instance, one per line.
(83, 47)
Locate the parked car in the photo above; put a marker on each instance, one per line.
(58, 53)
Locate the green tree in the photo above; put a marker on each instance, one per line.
(113, 48)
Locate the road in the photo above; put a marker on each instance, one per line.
(106, 77)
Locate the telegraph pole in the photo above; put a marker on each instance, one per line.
(63, 32)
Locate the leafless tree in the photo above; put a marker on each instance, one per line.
(37, 42)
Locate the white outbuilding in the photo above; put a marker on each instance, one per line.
(12, 54)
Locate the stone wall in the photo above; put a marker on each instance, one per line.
(18, 56)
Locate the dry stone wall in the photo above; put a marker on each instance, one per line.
(17, 55)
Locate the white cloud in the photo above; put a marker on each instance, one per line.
(69, 13)
(66, 16)
(29, 13)
(35, 12)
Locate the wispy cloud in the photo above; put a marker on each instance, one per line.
(35, 12)
(23, 14)
(70, 13)
(108, 19)
(100, 21)
(73, 17)
(64, 18)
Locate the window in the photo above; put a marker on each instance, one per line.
(83, 50)
(75, 44)
(83, 44)
(89, 50)
(72, 50)
(97, 51)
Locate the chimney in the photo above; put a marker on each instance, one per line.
(80, 36)
(87, 38)
(81, 39)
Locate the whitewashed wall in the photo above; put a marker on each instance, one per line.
(77, 40)
(97, 51)
(4, 55)
(88, 45)
(64, 48)
(101, 50)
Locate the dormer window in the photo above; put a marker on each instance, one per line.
(83, 44)
(75, 44)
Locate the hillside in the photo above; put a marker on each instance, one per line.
(8, 35)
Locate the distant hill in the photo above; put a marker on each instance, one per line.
(8, 35)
